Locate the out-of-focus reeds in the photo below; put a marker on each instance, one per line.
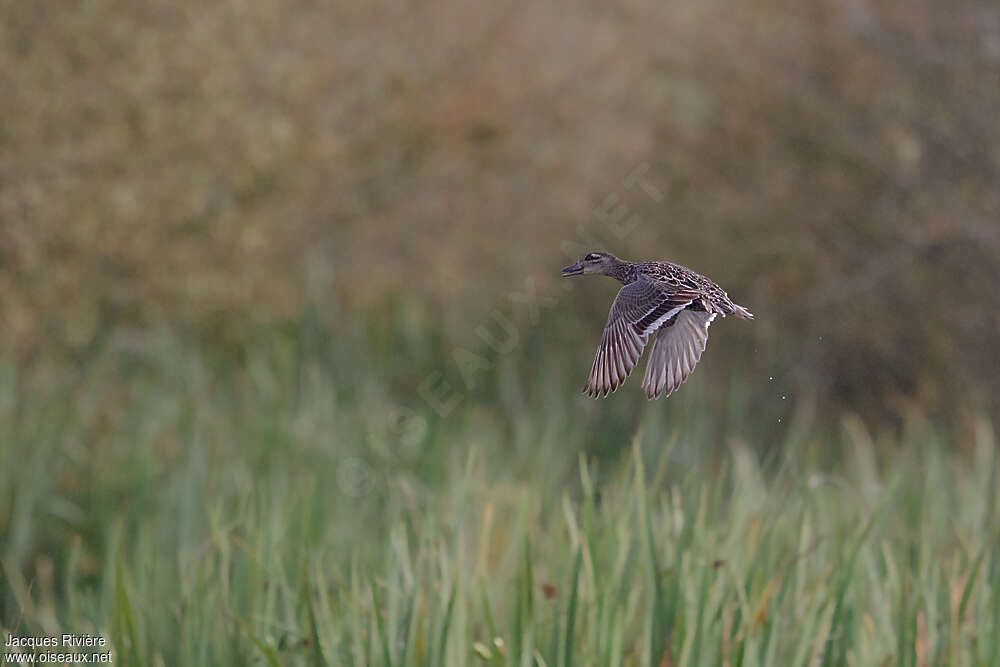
(201, 511)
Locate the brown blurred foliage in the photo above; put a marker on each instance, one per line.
(833, 163)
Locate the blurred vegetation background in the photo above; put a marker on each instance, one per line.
(833, 164)
(288, 373)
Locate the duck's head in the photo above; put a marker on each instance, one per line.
(593, 262)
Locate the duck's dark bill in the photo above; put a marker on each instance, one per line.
(573, 269)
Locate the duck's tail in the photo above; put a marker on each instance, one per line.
(740, 311)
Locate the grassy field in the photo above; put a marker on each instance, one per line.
(293, 503)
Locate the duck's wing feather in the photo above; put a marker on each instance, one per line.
(640, 308)
(676, 350)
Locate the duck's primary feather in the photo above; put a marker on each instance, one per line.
(676, 350)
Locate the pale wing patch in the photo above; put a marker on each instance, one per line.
(660, 319)
(668, 306)
(676, 351)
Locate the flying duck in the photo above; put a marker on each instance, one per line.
(662, 298)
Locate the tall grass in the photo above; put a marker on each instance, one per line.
(284, 506)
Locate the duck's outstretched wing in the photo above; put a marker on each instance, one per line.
(639, 309)
(676, 350)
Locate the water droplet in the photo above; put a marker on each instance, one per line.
(779, 420)
(782, 397)
(770, 378)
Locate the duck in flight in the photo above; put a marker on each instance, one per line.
(661, 299)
